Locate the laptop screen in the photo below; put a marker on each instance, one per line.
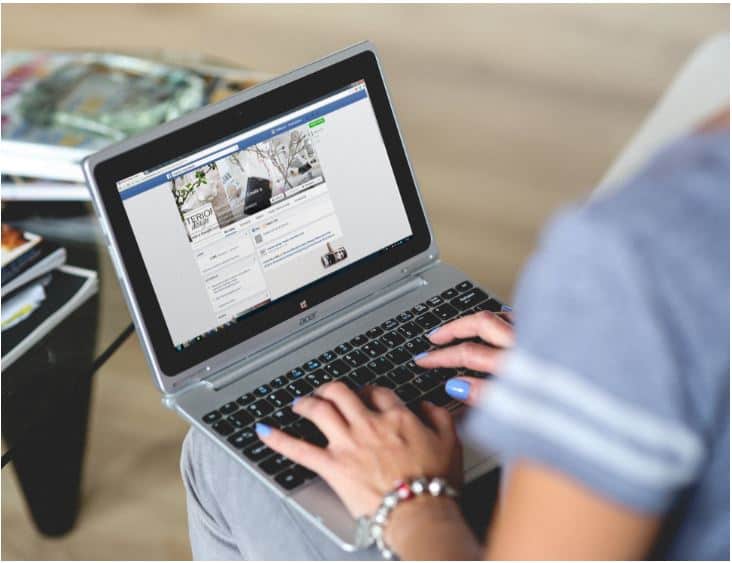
(238, 225)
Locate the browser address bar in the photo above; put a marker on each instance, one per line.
(204, 160)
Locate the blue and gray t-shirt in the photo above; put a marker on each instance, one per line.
(620, 375)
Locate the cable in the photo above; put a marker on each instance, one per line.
(9, 455)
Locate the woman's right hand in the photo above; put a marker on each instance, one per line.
(495, 332)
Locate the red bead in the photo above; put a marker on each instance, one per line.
(404, 491)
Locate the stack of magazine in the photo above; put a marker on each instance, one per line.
(38, 290)
(58, 107)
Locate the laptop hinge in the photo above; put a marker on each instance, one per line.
(278, 349)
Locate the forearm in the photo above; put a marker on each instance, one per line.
(431, 528)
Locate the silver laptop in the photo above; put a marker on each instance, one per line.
(274, 242)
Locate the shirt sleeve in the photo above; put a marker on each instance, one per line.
(591, 388)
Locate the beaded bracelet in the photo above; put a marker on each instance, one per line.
(402, 492)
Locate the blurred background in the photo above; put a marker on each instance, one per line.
(508, 112)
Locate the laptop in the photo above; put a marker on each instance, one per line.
(273, 242)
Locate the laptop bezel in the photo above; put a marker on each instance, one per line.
(173, 368)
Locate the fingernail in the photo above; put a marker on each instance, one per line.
(262, 430)
(295, 400)
(457, 388)
(421, 355)
(506, 308)
(433, 331)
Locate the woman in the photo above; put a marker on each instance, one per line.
(610, 405)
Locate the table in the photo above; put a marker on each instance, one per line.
(47, 392)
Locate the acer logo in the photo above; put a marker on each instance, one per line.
(307, 318)
(303, 305)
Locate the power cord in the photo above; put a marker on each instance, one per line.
(9, 455)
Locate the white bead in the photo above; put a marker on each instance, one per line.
(435, 487)
(391, 500)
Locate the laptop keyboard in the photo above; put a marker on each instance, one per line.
(380, 356)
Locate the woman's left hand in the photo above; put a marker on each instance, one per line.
(373, 442)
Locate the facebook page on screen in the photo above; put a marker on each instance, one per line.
(241, 224)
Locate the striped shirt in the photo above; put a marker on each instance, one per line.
(620, 374)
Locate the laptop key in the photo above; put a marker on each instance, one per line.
(356, 358)
(337, 368)
(469, 299)
(391, 339)
(374, 332)
(311, 365)
(435, 301)
(229, 408)
(428, 321)
(343, 348)
(414, 368)
(490, 304)
(223, 427)
(275, 464)
(242, 417)
(289, 479)
(438, 396)
(260, 408)
(445, 312)
(420, 309)
(213, 416)
(400, 374)
(305, 472)
(296, 373)
(262, 390)
(407, 392)
(391, 324)
(359, 340)
(299, 388)
(361, 376)
(380, 365)
(398, 356)
(384, 381)
(409, 330)
(449, 294)
(277, 382)
(352, 385)
(374, 349)
(242, 438)
(404, 316)
(283, 417)
(425, 382)
(245, 399)
(327, 357)
(417, 346)
(464, 286)
(280, 398)
(257, 451)
(316, 378)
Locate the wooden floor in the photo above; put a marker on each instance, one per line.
(508, 111)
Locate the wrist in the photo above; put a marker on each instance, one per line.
(409, 520)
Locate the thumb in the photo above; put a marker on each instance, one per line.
(466, 389)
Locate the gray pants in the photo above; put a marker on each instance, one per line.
(232, 515)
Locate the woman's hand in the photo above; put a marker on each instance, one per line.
(373, 442)
(495, 332)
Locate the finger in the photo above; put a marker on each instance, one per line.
(350, 405)
(465, 355)
(323, 414)
(466, 389)
(380, 398)
(484, 324)
(439, 419)
(314, 458)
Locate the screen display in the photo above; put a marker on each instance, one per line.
(234, 227)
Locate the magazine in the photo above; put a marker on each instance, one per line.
(59, 107)
(26, 256)
(63, 293)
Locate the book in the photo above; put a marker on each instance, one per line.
(23, 188)
(59, 107)
(25, 257)
(67, 289)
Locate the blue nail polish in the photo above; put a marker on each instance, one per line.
(457, 388)
(295, 400)
(421, 355)
(506, 308)
(433, 331)
(263, 430)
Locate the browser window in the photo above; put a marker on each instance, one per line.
(238, 225)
